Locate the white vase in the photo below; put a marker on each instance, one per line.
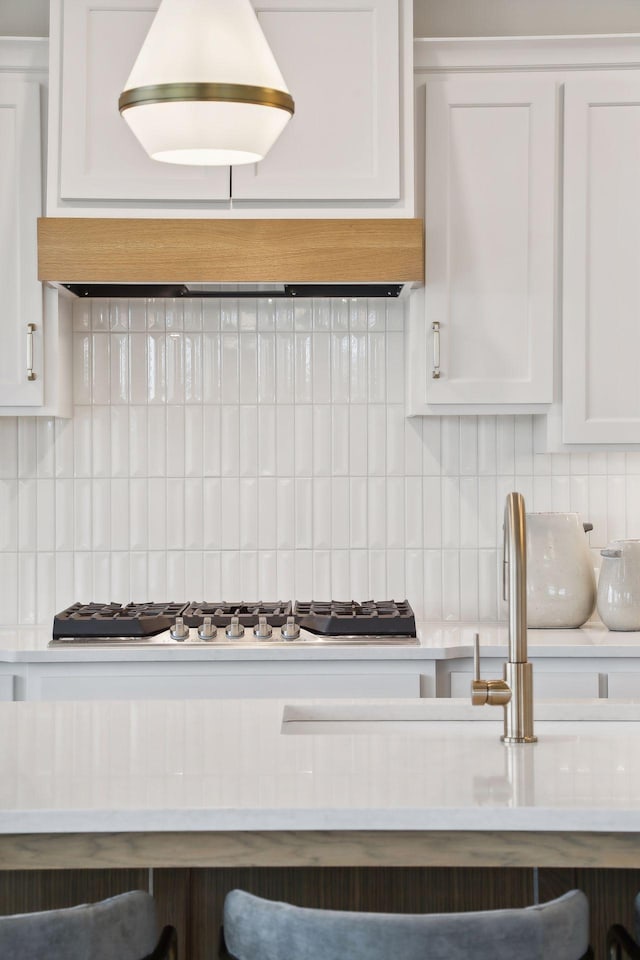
(561, 585)
(619, 586)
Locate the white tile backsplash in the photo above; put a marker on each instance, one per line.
(241, 449)
(193, 514)
(9, 588)
(45, 515)
(322, 513)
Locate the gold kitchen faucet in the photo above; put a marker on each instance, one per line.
(515, 691)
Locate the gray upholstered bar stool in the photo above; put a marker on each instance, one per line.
(256, 929)
(120, 928)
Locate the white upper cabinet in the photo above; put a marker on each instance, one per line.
(94, 44)
(348, 151)
(601, 288)
(35, 330)
(21, 341)
(340, 61)
(485, 334)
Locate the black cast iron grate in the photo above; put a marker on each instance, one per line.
(329, 619)
(247, 613)
(373, 618)
(115, 620)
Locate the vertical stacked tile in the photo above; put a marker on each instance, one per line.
(259, 449)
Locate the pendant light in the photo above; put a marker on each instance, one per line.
(205, 88)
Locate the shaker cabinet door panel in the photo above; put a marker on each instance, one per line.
(601, 292)
(99, 156)
(21, 341)
(341, 62)
(345, 63)
(490, 241)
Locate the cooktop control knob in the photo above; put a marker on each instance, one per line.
(263, 630)
(179, 631)
(206, 631)
(291, 630)
(235, 630)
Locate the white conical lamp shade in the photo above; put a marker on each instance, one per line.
(205, 88)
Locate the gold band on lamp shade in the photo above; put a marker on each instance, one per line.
(214, 92)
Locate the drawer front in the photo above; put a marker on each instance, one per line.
(157, 687)
(6, 687)
(624, 686)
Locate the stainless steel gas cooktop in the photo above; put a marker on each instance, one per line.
(280, 623)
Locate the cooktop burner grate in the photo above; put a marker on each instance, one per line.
(115, 620)
(331, 619)
(247, 613)
(375, 618)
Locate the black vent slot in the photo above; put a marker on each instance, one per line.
(145, 291)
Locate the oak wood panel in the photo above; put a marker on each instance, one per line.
(393, 890)
(320, 848)
(97, 250)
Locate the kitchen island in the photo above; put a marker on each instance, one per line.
(426, 809)
(257, 782)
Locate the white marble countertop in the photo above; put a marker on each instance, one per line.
(437, 641)
(186, 766)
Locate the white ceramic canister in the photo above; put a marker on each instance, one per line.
(561, 584)
(619, 585)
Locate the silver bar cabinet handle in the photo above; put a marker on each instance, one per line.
(30, 331)
(435, 373)
(476, 656)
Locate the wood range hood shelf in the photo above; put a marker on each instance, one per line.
(109, 251)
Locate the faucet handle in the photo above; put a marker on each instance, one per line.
(494, 692)
(479, 688)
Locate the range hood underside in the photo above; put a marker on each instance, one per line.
(132, 291)
(278, 258)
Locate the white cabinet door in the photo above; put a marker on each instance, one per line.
(99, 157)
(490, 242)
(20, 206)
(341, 62)
(601, 309)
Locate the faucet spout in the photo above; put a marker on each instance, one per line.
(515, 691)
(518, 672)
(515, 575)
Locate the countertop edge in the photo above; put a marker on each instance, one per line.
(438, 640)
